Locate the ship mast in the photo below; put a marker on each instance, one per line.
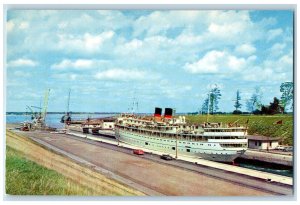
(68, 104)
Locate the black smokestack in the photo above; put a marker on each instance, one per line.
(168, 112)
(157, 112)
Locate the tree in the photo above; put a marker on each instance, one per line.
(287, 90)
(273, 108)
(214, 96)
(254, 103)
(237, 103)
(204, 107)
(249, 105)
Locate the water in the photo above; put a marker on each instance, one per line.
(265, 167)
(53, 120)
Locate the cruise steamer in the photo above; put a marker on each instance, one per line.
(168, 134)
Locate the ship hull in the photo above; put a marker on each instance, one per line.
(206, 150)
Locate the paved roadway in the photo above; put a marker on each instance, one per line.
(178, 178)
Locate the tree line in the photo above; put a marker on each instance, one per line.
(254, 104)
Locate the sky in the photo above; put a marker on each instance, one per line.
(158, 58)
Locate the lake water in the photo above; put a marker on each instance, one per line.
(53, 120)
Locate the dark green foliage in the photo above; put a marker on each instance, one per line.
(287, 90)
(214, 96)
(237, 112)
(237, 103)
(204, 108)
(256, 112)
(273, 108)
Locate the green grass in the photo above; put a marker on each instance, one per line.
(24, 177)
(258, 124)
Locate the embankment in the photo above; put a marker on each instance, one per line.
(79, 173)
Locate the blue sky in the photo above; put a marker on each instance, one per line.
(161, 58)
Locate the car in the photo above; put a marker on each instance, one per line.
(138, 152)
(279, 147)
(166, 157)
(288, 149)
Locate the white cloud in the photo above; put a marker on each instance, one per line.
(22, 62)
(271, 70)
(216, 62)
(258, 74)
(128, 47)
(208, 64)
(235, 63)
(245, 49)
(76, 64)
(277, 49)
(215, 26)
(159, 22)
(227, 27)
(188, 39)
(272, 34)
(225, 30)
(121, 74)
(85, 43)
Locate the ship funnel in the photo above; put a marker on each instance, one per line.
(157, 112)
(168, 113)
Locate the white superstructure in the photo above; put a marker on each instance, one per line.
(210, 141)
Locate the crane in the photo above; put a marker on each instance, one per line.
(68, 105)
(45, 107)
(66, 118)
(36, 107)
(32, 112)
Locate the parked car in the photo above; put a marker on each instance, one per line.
(166, 157)
(280, 147)
(138, 151)
(288, 149)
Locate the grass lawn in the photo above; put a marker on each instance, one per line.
(24, 177)
(258, 124)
